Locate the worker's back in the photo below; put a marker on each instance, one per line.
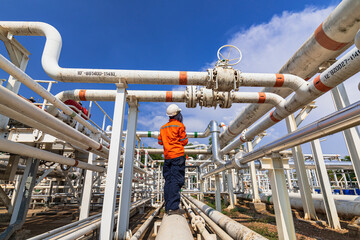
(173, 137)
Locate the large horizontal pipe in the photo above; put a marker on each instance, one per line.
(346, 206)
(329, 40)
(345, 118)
(27, 151)
(21, 76)
(11, 100)
(174, 227)
(51, 56)
(233, 228)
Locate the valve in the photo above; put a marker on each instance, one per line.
(223, 77)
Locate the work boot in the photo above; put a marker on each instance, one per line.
(178, 211)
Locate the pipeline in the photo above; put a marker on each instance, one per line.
(27, 151)
(341, 70)
(345, 118)
(174, 227)
(346, 206)
(328, 41)
(35, 124)
(11, 100)
(233, 228)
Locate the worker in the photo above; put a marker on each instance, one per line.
(173, 138)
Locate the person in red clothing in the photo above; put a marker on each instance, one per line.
(173, 138)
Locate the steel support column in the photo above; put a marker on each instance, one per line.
(308, 205)
(112, 174)
(87, 190)
(284, 219)
(217, 193)
(127, 172)
(325, 187)
(351, 135)
(230, 189)
(254, 184)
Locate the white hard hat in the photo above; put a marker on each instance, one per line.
(172, 110)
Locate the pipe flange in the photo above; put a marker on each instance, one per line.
(207, 98)
(211, 78)
(197, 220)
(225, 99)
(190, 96)
(238, 80)
(244, 138)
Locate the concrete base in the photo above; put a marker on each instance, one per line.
(259, 207)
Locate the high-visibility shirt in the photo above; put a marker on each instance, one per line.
(173, 137)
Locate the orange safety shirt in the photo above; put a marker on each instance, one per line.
(173, 137)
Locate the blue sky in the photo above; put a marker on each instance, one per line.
(172, 35)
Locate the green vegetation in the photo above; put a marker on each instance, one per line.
(264, 231)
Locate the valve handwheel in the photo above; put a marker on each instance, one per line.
(231, 59)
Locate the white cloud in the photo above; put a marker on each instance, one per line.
(266, 48)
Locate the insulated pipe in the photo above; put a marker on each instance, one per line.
(21, 76)
(35, 124)
(27, 151)
(233, 228)
(174, 227)
(215, 146)
(328, 41)
(51, 56)
(343, 119)
(146, 224)
(271, 80)
(344, 68)
(338, 72)
(160, 96)
(11, 100)
(346, 205)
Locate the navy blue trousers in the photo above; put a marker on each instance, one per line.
(174, 174)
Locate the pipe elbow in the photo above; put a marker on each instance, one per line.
(214, 127)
